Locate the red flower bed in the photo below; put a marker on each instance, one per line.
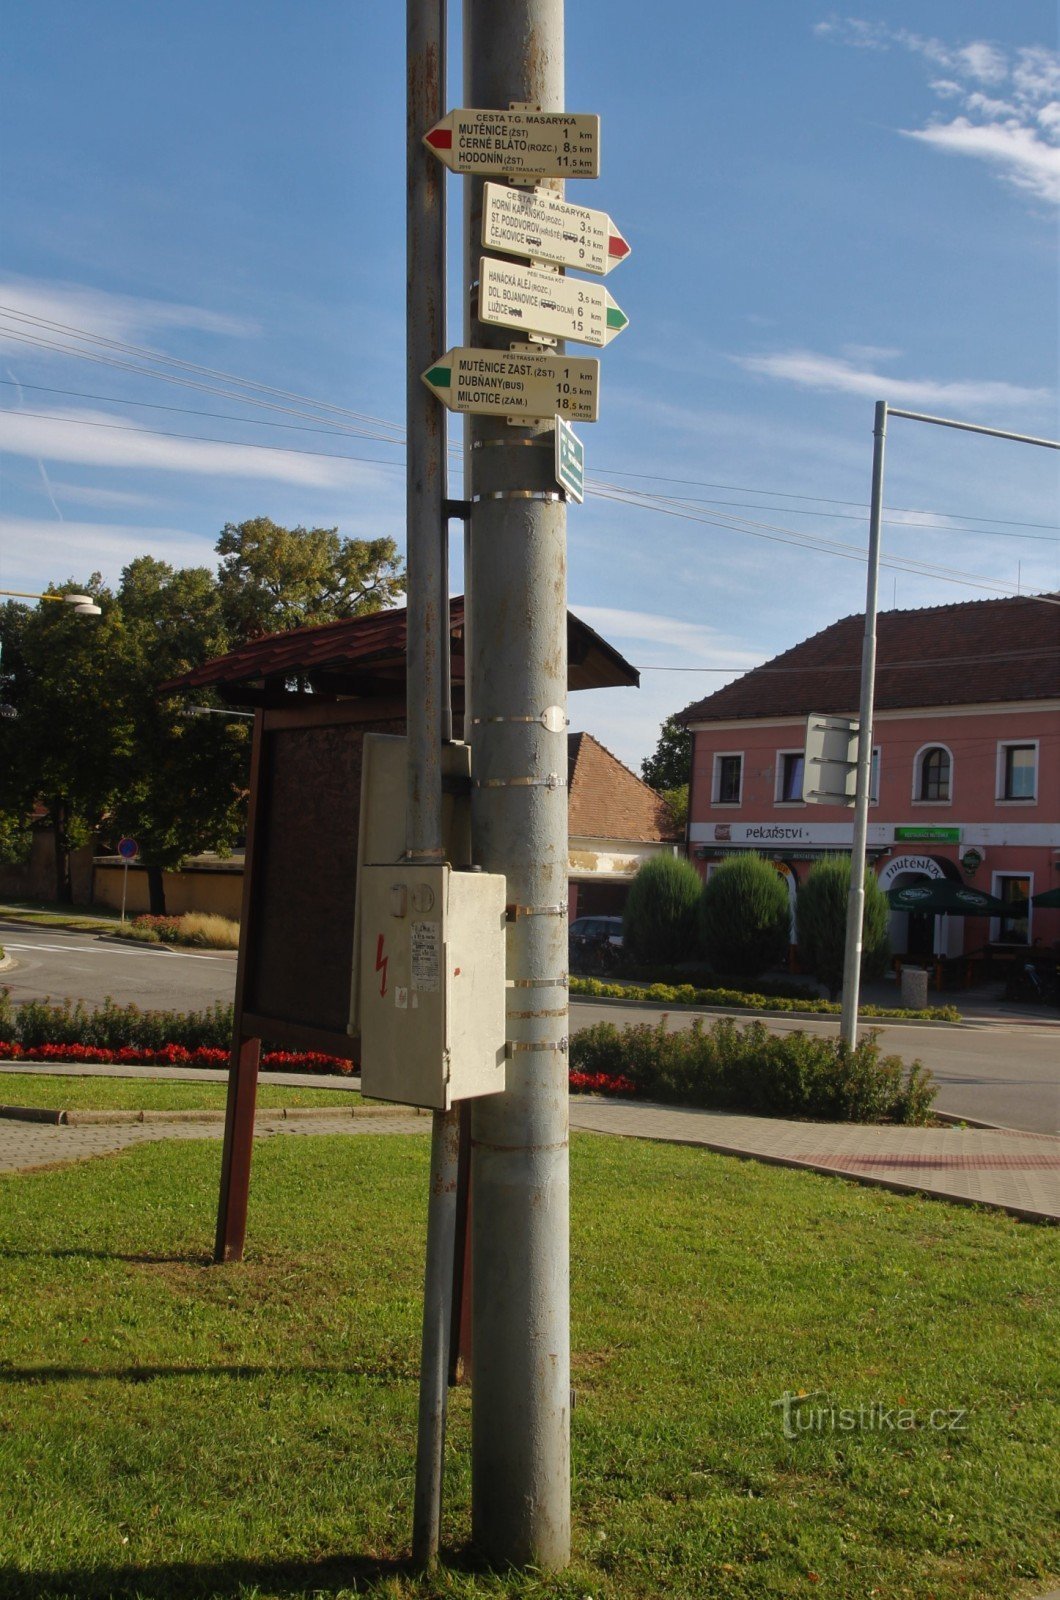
(600, 1083)
(171, 1055)
(175, 1055)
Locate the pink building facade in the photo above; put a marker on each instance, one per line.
(966, 765)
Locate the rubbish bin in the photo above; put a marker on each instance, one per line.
(914, 988)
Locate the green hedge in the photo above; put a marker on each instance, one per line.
(685, 994)
(112, 1027)
(748, 1069)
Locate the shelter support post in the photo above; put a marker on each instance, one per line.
(238, 1147)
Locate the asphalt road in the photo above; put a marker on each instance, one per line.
(1003, 1072)
(1000, 1072)
(80, 966)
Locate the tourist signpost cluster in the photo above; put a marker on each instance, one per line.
(520, 217)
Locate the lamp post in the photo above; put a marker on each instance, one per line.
(83, 604)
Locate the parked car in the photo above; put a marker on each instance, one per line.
(594, 943)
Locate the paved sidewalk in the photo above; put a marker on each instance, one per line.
(28, 1145)
(1005, 1168)
(1010, 1170)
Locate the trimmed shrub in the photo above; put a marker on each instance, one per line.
(822, 921)
(744, 917)
(748, 1069)
(764, 997)
(659, 920)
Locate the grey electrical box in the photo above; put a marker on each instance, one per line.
(830, 764)
(432, 983)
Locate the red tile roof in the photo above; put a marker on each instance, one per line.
(975, 651)
(607, 800)
(366, 656)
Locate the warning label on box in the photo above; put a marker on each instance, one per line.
(426, 956)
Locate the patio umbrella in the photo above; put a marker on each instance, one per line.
(939, 895)
(1048, 900)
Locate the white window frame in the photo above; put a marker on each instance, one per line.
(995, 889)
(778, 784)
(1003, 747)
(715, 781)
(918, 763)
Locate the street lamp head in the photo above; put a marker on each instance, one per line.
(83, 604)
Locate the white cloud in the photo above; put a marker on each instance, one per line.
(92, 495)
(1016, 133)
(100, 439)
(1017, 152)
(126, 318)
(812, 371)
(680, 640)
(31, 546)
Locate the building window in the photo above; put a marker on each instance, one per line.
(1014, 889)
(932, 774)
(790, 767)
(1017, 772)
(728, 779)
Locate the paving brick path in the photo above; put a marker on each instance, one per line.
(1008, 1169)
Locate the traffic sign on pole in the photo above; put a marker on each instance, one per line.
(538, 224)
(570, 461)
(538, 301)
(128, 849)
(519, 144)
(502, 383)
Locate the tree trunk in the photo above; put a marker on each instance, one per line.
(156, 890)
(61, 846)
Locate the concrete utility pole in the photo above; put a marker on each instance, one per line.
(520, 1184)
(429, 708)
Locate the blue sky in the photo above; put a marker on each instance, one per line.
(826, 208)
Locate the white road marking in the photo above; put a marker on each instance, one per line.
(92, 950)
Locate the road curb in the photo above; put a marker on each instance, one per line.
(91, 1119)
(741, 1013)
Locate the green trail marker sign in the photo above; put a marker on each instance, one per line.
(570, 461)
(503, 383)
(535, 300)
(538, 224)
(518, 144)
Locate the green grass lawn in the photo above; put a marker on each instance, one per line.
(45, 914)
(172, 1429)
(61, 1093)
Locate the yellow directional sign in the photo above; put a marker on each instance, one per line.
(539, 301)
(520, 144)
(503, 383)
(538, 224)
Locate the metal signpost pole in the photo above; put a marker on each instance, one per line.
(429, 716)
(848, 1026)
(519, 1181)
(848, 1023)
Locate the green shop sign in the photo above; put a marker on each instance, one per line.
(922, 835)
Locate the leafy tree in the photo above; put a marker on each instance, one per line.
(659, 921)
(60, 745)
(821, 910)
(677, 805)
(272, 578)
(744, 919)
(671, 765)
(180, 781)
